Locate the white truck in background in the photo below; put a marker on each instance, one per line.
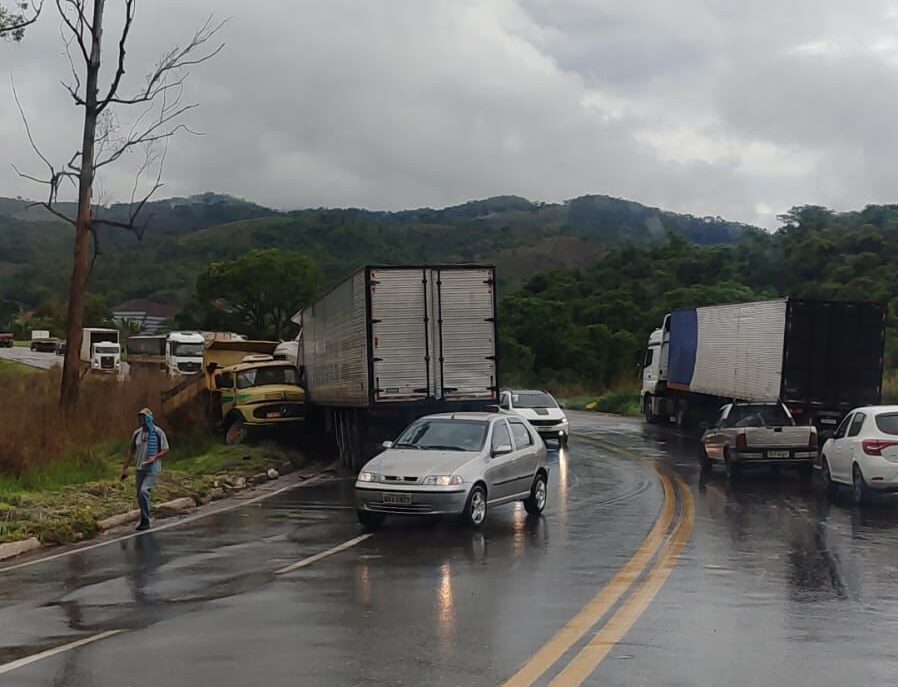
(100, 351)
(175, 353)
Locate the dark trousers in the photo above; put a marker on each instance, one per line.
(145, 482)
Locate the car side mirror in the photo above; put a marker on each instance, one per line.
(562, 405)
(502, 450)
(387, 444)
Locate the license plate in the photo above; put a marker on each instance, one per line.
(777, 454)
(273, 413)
(400, 499)
(828, 420)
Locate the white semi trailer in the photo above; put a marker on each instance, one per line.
(391, 344)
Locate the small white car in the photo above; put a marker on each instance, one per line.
(863, 453)
(455, 464)
(540, 410)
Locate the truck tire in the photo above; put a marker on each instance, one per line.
(236, 432)
(650, 416)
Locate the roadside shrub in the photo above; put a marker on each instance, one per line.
(36, 437)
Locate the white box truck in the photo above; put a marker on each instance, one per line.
(175, 353)
(820, 358)
(100, 350)
(393, 343)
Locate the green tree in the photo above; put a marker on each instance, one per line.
(256, 294)
(13, 22)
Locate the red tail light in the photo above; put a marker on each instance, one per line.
(741, 441)
(874, 447)
(812, 440)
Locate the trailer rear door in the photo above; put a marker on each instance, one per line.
(399, 337)
(834, 353)
(465, 339)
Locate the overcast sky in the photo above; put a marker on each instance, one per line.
(714, 107)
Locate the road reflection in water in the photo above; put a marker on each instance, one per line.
(445, 605)
(561, 509)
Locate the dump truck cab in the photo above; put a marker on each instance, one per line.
(258, 392)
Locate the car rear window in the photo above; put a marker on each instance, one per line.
(761, 415)
(533, 399)
(887, 423)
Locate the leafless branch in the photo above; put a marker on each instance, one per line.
(19, 22)
(130, 7)
(74, 90)
(171, 65)
(77, 28)
(27, 126)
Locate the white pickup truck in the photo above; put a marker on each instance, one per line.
(758, 434)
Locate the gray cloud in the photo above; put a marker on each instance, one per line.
(704, 106)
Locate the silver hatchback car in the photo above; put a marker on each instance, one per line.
(455, 464)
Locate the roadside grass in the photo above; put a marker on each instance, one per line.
(11, 368)
(59, 474)
(617, 401)
(63, 502)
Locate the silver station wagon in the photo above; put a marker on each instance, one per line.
(459, 464)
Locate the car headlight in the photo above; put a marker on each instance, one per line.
(443, 480)
(368, 476)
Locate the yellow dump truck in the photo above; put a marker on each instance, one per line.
(244, 388)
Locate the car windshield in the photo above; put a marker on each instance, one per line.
(107, 349)
(759, 416)
(887, 423)
(262, 376)
(444, 435)
(533, 399)
(187, 350)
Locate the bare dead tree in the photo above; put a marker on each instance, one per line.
(159, 104)
(14, 22)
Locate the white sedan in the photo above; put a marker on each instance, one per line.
(863, 453)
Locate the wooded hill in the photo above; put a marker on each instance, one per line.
(184, 235)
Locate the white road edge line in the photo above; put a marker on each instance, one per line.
(174, 523)
(324, 554)
(22, 662)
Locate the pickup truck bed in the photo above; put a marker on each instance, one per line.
(758, 434)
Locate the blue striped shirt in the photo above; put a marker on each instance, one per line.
(144, 447)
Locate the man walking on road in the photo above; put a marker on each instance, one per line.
(147, 446)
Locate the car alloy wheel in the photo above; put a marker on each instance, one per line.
(475, 509)
(539, 492)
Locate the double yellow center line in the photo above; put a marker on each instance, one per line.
(662, 545)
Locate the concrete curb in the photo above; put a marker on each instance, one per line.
(120, 519)
(16, 548)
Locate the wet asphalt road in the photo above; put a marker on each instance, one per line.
(774, 586)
